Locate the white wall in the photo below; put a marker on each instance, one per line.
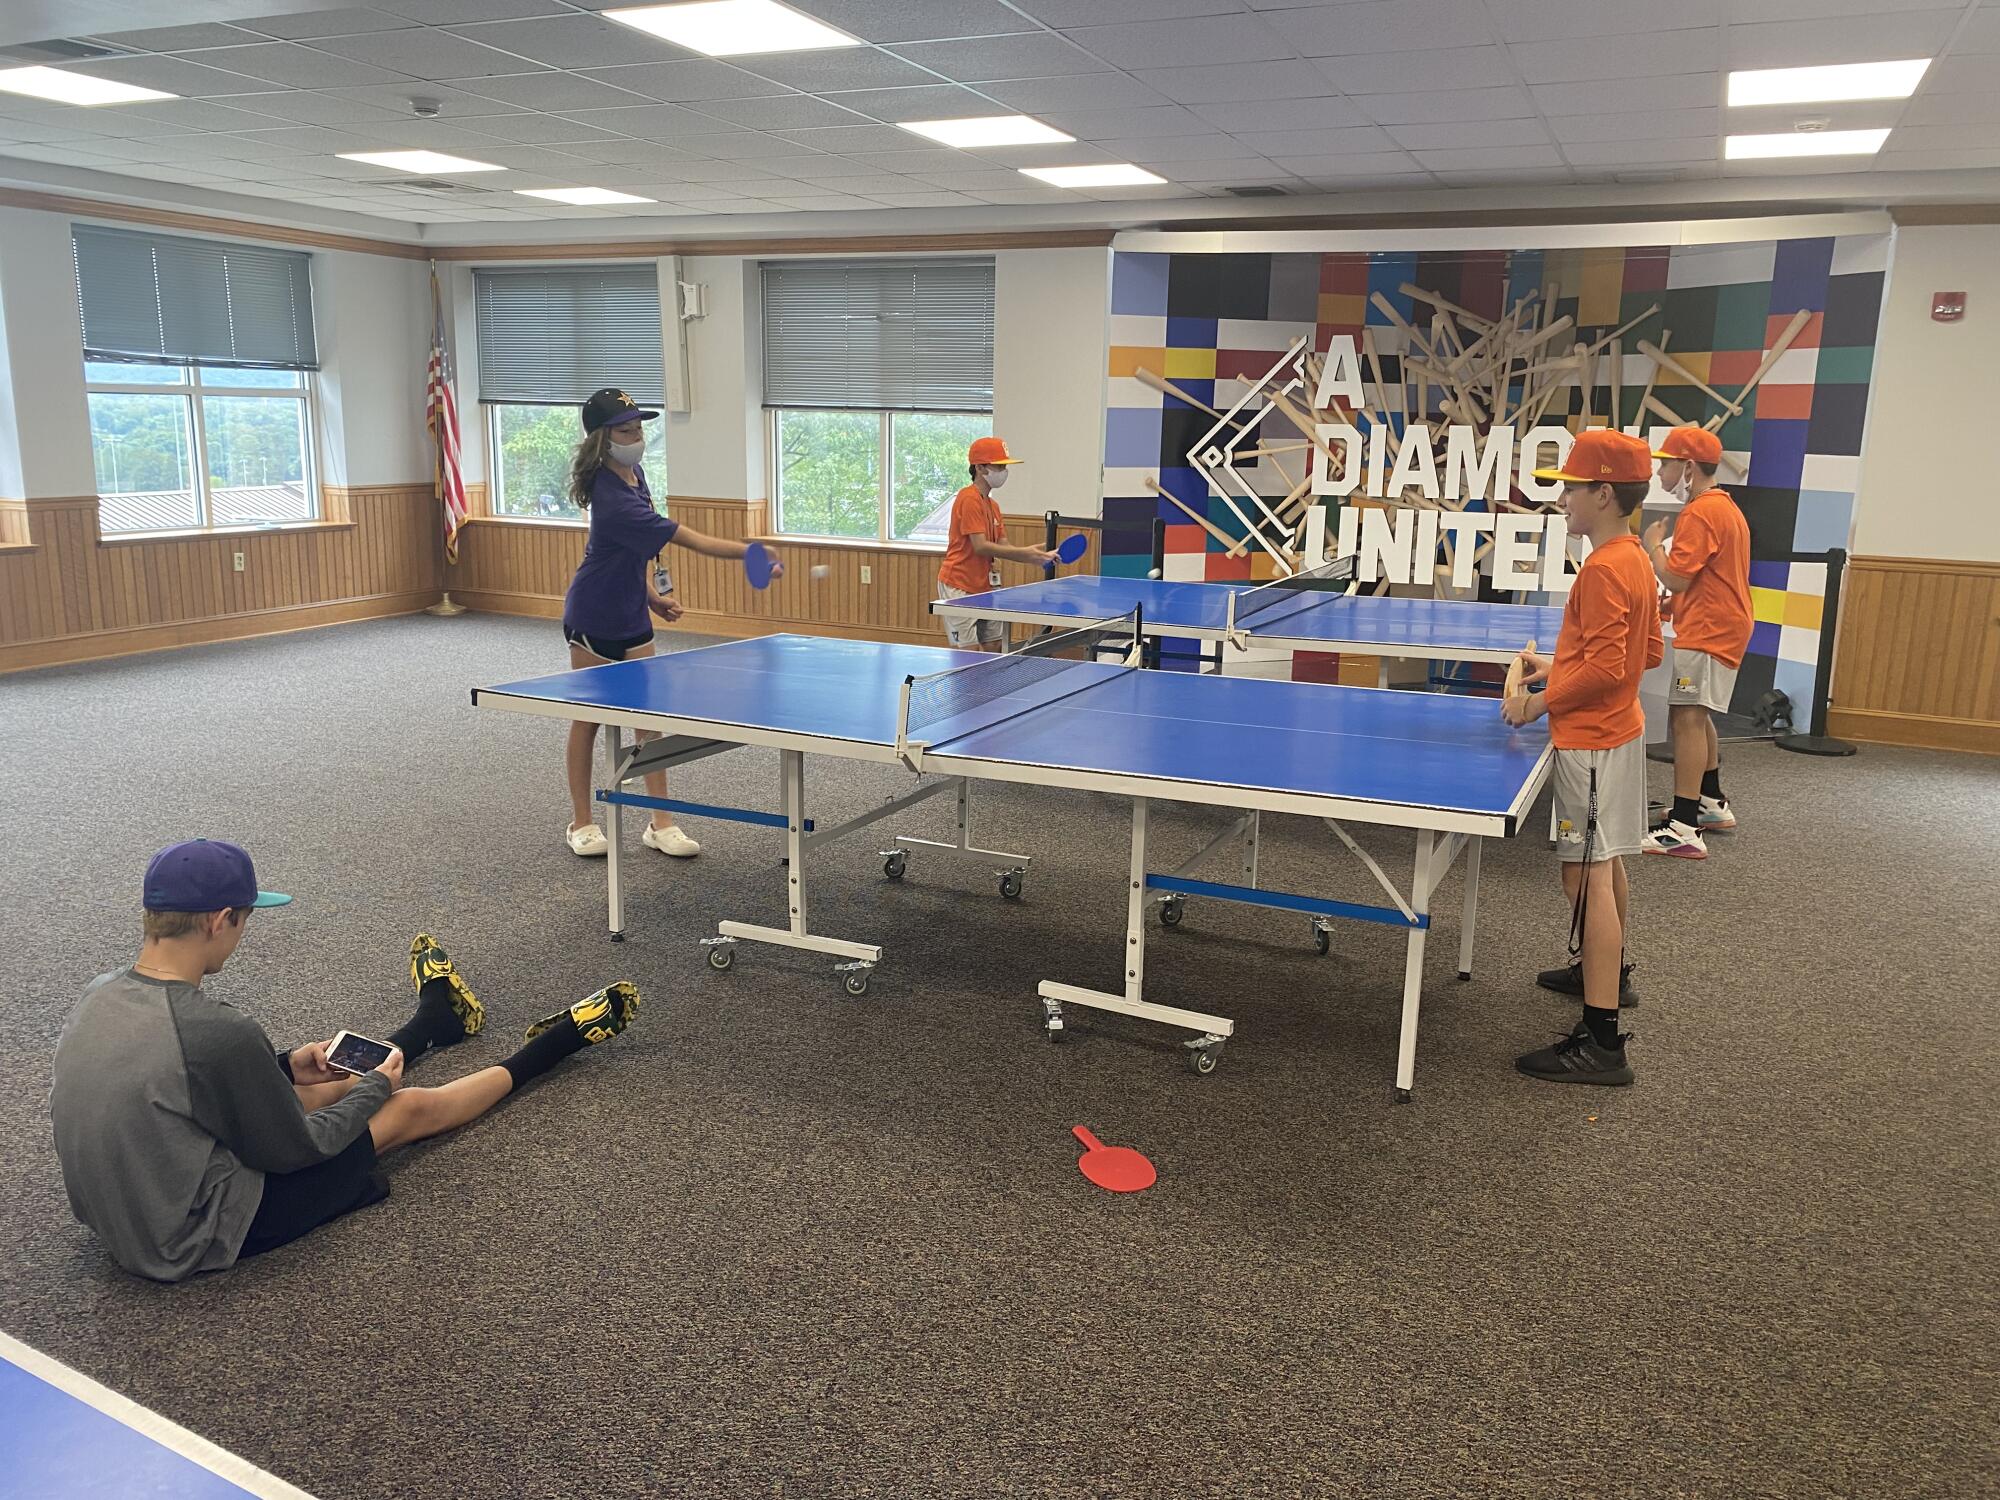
(716, 448)
(372, 314)
(44, 417)
(1050, 331)
(1930, 470)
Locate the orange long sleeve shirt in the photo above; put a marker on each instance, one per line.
(1610, 636)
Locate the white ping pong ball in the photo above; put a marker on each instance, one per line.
(820, 570)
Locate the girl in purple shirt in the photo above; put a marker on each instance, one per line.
(606, 611)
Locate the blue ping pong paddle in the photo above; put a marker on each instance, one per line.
(1072, 548)
(757, 565)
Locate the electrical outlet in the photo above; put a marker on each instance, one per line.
(867, 573)
(239, 562)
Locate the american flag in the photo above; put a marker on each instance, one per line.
(441, 417)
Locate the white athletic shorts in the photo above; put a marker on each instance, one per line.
(1700, 679)
(1600, 802)
(967, 630)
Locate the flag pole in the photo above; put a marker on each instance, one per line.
(443, 423)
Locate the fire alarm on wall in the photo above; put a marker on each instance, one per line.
(1947, 307)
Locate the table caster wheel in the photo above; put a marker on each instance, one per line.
(1170, 912)
(1202, 1057)
(618, 937)
(721, 956)
(1010, 885)
(1322, 941)
(856, 982)
(1402, 1096)
(894, 864)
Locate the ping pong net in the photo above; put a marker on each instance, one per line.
(943, 706)
(1261, 609)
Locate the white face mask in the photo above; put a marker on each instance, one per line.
(995, 478)
(627, 454)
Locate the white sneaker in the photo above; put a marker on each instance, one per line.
(588, 841)
(670, 840)
(1717, 816)
(1674, 839)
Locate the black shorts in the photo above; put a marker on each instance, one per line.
(609, 650)
(297, 1203)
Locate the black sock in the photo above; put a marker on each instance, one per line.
(537, 1056)
(435, 1024)
(1711, 783)
(1603, 1024)
(1687, 810)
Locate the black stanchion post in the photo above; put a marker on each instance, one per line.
(1159, 549)
(1817, 742)
(1049, 542)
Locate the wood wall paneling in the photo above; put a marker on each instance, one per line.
(72, 595)
(1917, 661)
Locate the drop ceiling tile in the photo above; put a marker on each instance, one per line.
(1073, 154)
(297, 65)
(1067, 13)
(1522, 177)
(1432, 68)
(845, 138)
(1561, 20)
(1470, 133)
(1107, 124)
(1952, 109)
(1747, 12)
(1651, 55)
(179, 115)
(311, 140)
(688, 81)
(543, 130)
(1032, 55)
(917, 163)
(653, 122)
(1087, 91)
(943, 101)
(1403, 26)
(934, 199)
(294, 106)
(1701, 148)
(1442, 106)
(1937, 159)
(916, 20)
(1157, 152)
(564, 41)
(450, 12)
(786, 112)
(1360, 163)
(809, 170)
(1959, 75)
(317, 23)
(526, 159)
(1184, 43)
(438, 135)
(1637, 125)
(553, 91)
(1984, 135)
(844, 68)
(1604, 96)
(1841, 39)
(1486, 158)
(1230, 83)
(174, 75)
(624, 153)
(867, 185)
(1250, 169)
(1329, 113)
(1026, 195)
(736, 145)
(725, 174)
(427, 53)
(180, 38)
(453, 104)
(1981, 34)
(825, 203)
(1368, 182)
(971, 180)
(1276, 143)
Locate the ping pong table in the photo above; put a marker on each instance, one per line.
(1270, 615)
(1443, 768)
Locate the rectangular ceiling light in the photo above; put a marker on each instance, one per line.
(988, 130)
(733, 28)
(73, 88)
(1804, 143)
(424, 163)
(582, 196)
(1880, 80)
(1117, 175)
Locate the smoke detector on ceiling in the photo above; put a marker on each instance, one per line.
(1811, 124)
(425, 109)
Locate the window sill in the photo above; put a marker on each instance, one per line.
(203, 533)
(847, 543)
(573, 522)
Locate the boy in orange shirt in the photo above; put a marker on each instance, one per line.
(1708, 574)
(1610, 636)
(978, 542)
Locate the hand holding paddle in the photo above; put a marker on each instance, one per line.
(760, 567)
(1073, 547)
(1117, 1169)
(1516, 705)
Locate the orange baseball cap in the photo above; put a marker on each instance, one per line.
(1601, 456)
(989, 450)
(1697, 443)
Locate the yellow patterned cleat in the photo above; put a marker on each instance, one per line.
(427, 962)
(598, 1017)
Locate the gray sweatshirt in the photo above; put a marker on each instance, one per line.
(169, 1108)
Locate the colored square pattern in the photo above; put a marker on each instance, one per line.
(1214, 324)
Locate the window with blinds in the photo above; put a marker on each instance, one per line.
(902, 335)
(168, 300)
(556, 335)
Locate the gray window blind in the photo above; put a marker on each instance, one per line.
(165, 299)
(904, 335)
(557, 335)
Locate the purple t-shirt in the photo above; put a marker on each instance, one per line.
(607, 598)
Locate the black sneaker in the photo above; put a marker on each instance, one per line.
(1568, 980)
(1578, 1059)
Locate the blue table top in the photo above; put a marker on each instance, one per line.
(1426, 750)
(1320, 620)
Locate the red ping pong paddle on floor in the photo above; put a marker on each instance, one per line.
(757, 565)
(1072, 548)
(1117, 1169)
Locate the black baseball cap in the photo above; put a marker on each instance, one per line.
(609, 407)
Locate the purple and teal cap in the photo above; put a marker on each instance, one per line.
(204, 875)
